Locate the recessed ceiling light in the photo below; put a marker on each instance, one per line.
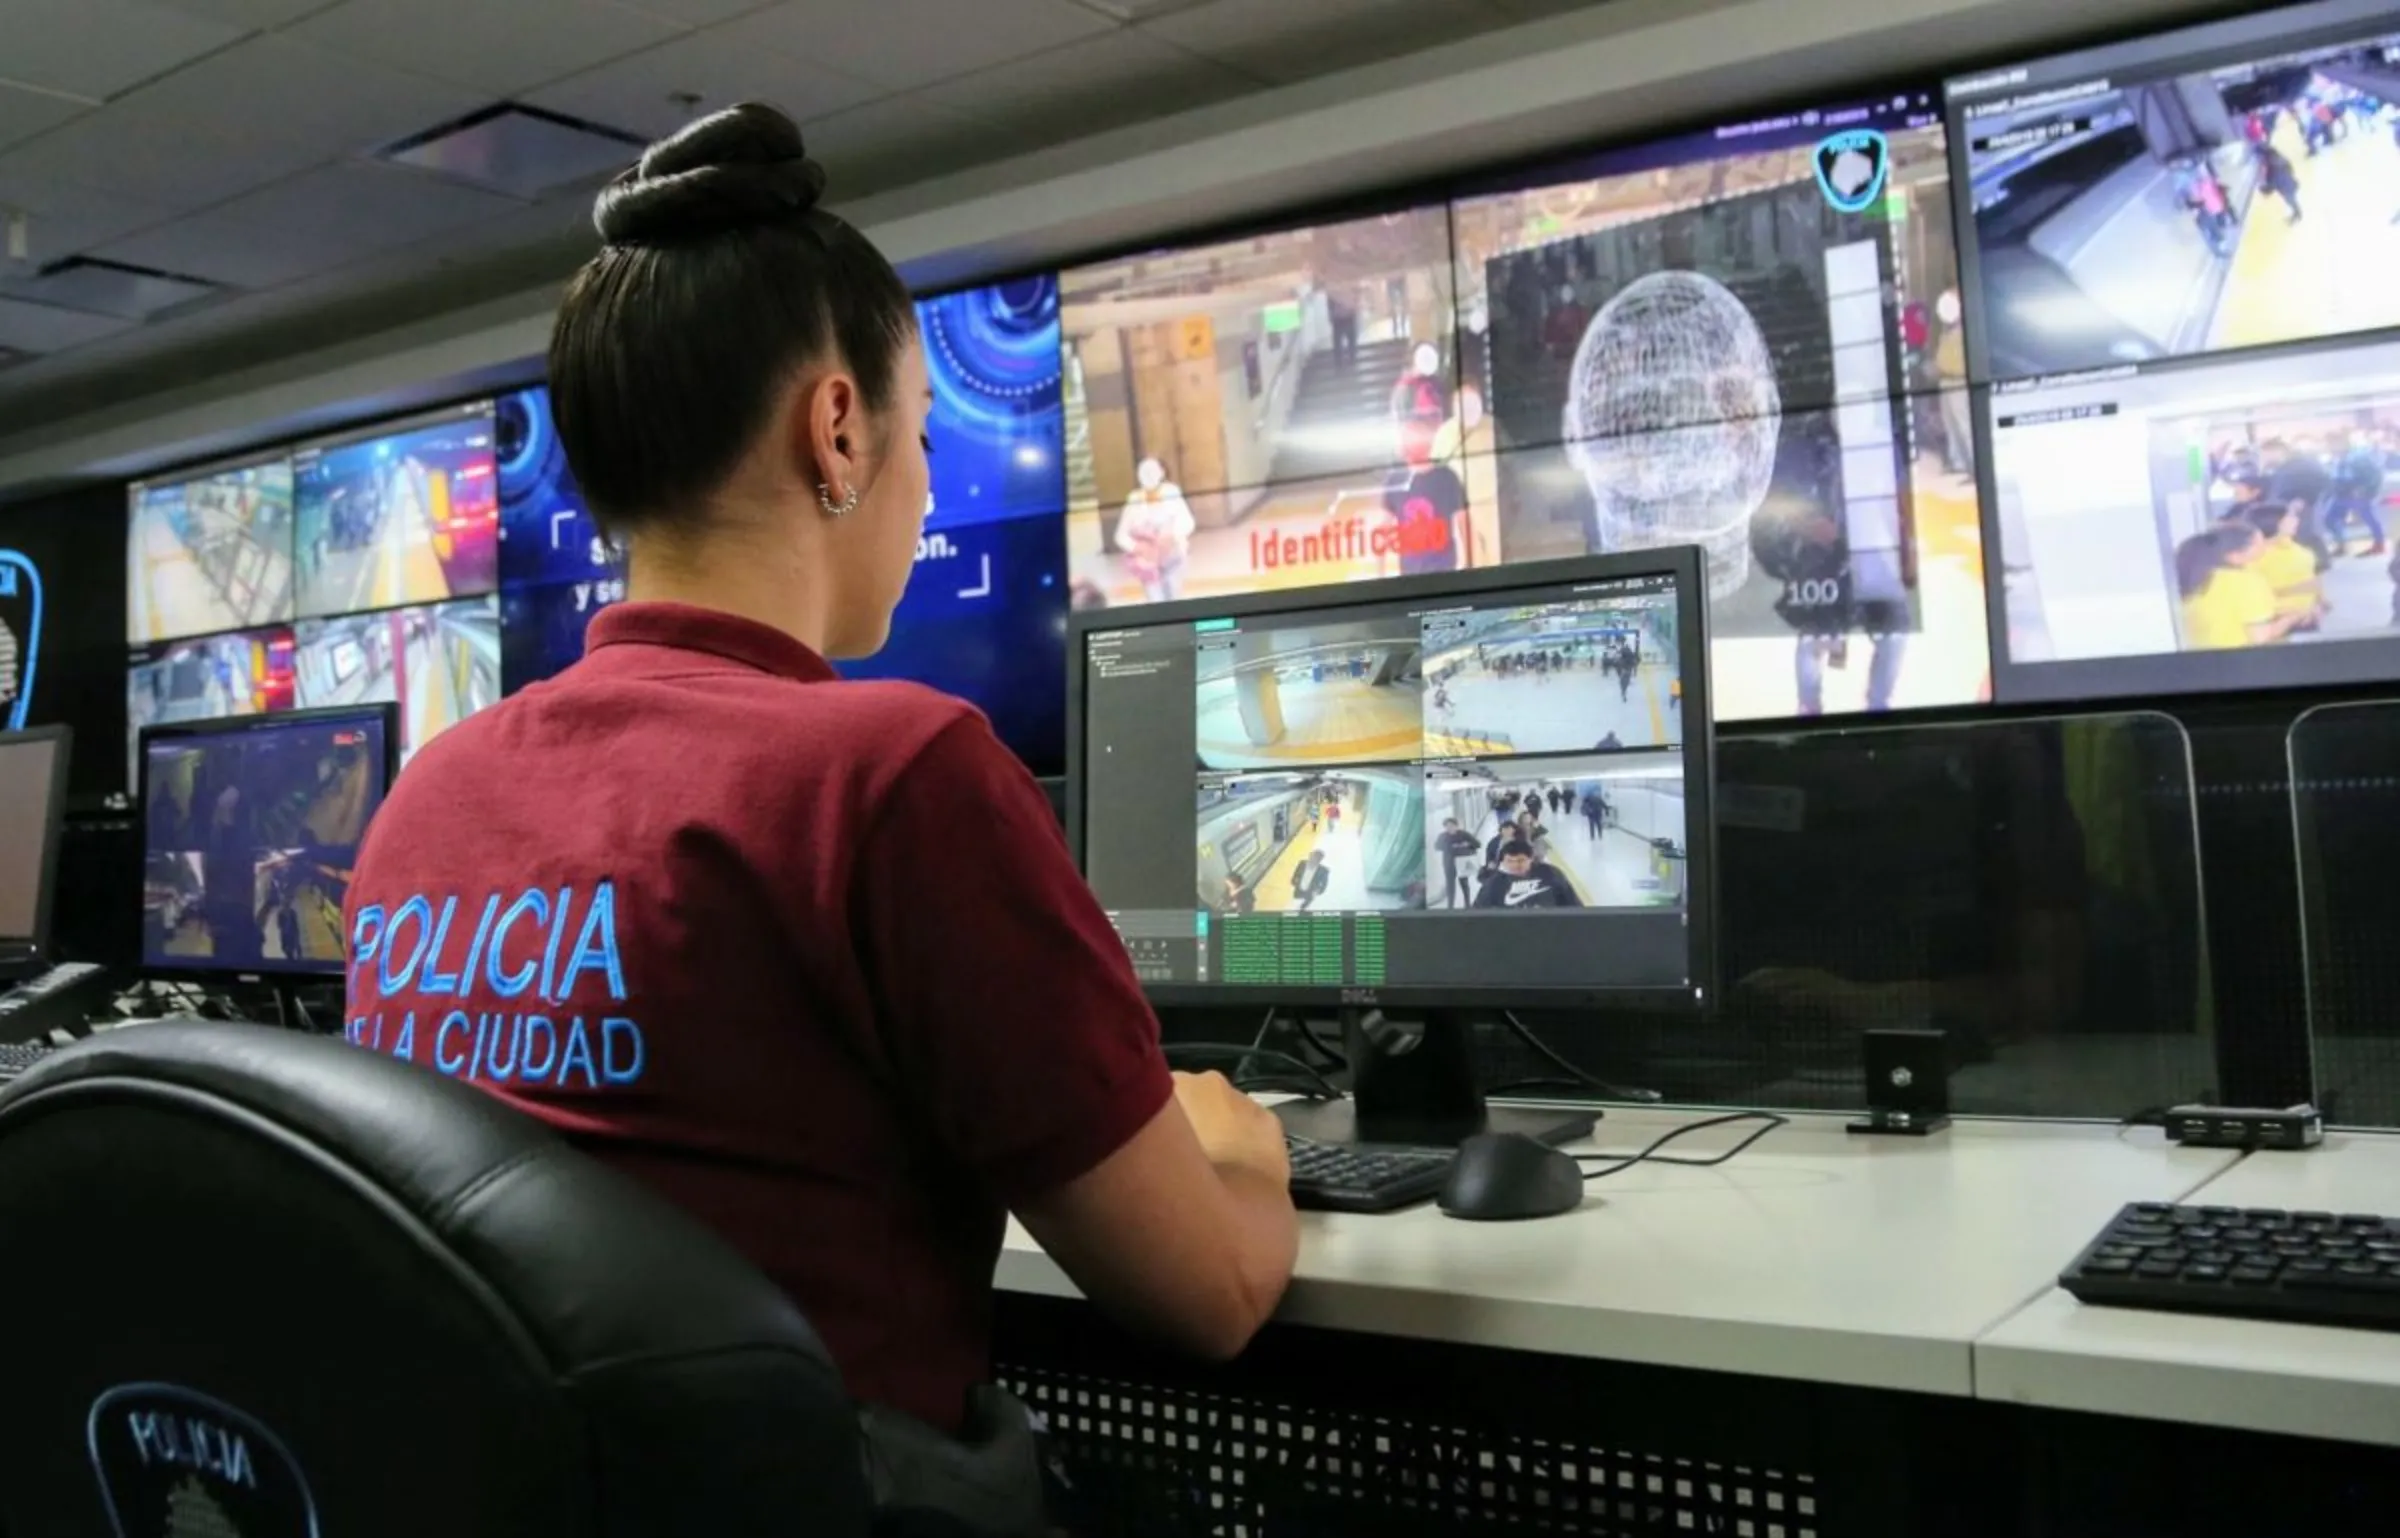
(521, 151)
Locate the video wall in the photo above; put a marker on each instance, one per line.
(2072, 378)
(1733, 338)
(2180, 336)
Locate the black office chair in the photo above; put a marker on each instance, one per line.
(278, 1286)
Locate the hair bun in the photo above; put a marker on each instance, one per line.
(731, 170)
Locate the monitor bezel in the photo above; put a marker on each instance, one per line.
(1683, 563)
(54, 820)
(384, 712)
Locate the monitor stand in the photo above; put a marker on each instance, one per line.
(1413, 1084)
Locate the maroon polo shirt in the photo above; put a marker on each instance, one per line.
(809, 957)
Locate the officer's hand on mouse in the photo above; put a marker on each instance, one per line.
(1235, 1131)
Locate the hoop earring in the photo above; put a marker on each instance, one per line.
(833, 509)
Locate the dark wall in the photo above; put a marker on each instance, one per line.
(76, 543)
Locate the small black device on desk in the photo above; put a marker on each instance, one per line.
(2255, 1262)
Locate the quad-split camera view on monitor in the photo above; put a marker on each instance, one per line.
(1335, 757)
(1452, 765)
(2189, 466)
(250, 839)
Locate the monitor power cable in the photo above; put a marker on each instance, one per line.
(1302, 1078)
(1575, 1075)
(1768, 1121)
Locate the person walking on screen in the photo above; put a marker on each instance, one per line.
(1310, 880)
(1595, 811)
(1239, 899)
(1454, 845)
(1155, 533)
(1522, 881)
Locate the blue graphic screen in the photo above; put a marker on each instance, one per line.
(546, 531)
(542, 625)
(986, 619)
(998, 426)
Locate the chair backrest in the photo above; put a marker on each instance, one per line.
(278, 1286)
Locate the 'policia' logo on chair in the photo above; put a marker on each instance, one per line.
(20, 637)
(1852, 167)
(173, 1463)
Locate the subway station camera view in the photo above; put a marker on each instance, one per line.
(402, 517)
(210, 553)
(2208, 210)
(1336, 755)
(440, 663)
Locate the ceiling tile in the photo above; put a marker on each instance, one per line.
(256, 15)
(46, 328)
(324, 219)
(26, 113)
(700, 13)
(256, 113)
(98, 48)
(637, 95)
(1090, 87)
(500, 46)
(903, 44)
(1280, 41)
(64, 218)
(894, 142)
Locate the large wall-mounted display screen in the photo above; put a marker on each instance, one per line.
(2180, 252)
(405, 514)
(208, 551)
(440, 663)
(547, 533)
(1270, 411)
(1748, 339)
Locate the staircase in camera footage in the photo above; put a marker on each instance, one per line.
(1322, 438)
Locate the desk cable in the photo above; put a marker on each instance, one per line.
(1769, 1122)
(1302, 1078)
(1576, 1077)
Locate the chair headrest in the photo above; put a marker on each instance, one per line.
(356, 1256)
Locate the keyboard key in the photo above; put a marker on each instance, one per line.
(2201, 1273)
(2107, 1265)
(2213, 1258)
(2158, 1270)
(2252, 1276)
(2222, 1212)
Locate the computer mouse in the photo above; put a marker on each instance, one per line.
(1501, 1177)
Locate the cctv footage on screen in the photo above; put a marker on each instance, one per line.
(2181, 247)
(1481, 794)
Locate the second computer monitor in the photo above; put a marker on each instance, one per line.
(251, 830)
(1479, 788)
(33, 793)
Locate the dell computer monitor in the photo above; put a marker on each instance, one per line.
(251, 829)
(1477, 789)
(33, 799)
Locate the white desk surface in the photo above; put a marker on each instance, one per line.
(1873, 1262)
(2298, 1380)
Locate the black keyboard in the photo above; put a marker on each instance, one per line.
(2261, 1262)
(18, 1056)
(1331, 1177)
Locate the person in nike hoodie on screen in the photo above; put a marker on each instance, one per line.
(1521, 881)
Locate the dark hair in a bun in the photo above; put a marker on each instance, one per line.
(720, 278)
(726, 172)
